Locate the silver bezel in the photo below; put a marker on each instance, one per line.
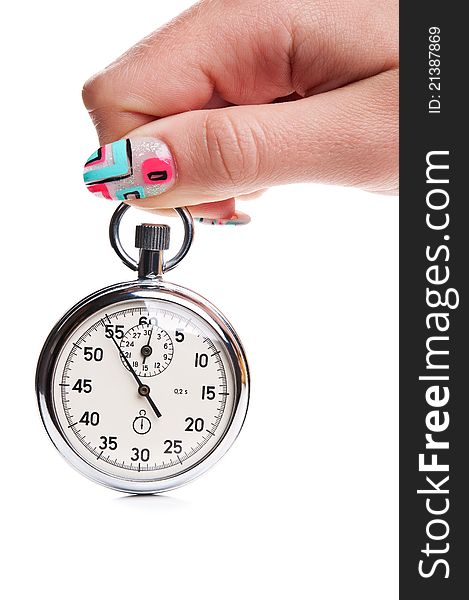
(135, 290)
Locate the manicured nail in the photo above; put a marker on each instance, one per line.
(130, 169)
(236, 219)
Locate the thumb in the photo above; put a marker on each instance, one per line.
(347, 137)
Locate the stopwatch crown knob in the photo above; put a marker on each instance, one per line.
(152, 237)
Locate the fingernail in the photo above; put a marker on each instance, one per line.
(236, 219)
(130, 169)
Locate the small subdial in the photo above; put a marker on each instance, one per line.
(148, 348)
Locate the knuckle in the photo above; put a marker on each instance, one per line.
(233, 149)
(95, 91)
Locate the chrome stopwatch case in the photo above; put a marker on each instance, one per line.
(142, 386)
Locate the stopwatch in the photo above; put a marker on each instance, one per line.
(143, 385)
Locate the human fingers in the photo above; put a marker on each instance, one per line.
(347, 137)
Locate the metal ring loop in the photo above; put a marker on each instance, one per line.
(130, 262)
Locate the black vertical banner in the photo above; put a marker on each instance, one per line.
(434, 256)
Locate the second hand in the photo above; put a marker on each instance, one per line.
(143, 389)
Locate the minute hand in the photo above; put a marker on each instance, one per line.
(141, 386)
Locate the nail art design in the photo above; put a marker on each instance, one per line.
(130, 169)
(236, 219)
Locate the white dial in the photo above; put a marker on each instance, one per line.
(144, 389)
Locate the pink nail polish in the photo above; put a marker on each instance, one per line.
(236, 219)
(130, 169)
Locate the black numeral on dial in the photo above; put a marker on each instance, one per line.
(201, 360)
(142, 454)
(208, 392)
(83, 385)
(194, 424)
(88, 418)
(148, 321)
(173, 446)
(90, 353)
(116, 331)
(108, 443)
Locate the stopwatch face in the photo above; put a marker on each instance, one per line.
(145, 390)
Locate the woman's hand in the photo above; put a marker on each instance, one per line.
(234, 96)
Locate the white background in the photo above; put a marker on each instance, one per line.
(305, 503)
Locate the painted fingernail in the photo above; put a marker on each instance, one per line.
(130, 169)
(236, 219)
